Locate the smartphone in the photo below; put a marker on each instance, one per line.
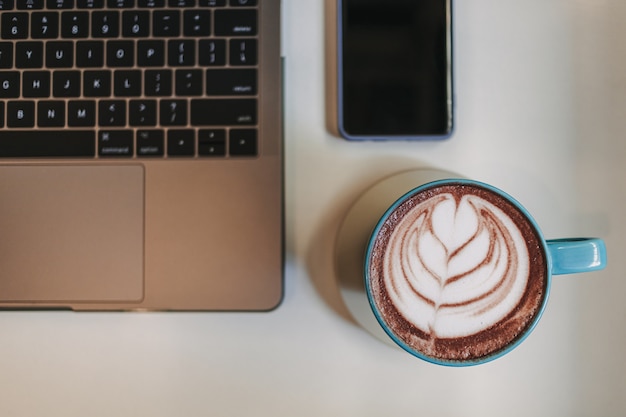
(394, 61)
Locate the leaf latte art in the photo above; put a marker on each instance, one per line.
(457, 272)
(454, 268)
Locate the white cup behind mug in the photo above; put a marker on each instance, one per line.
(454, 271)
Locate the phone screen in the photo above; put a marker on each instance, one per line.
(395, 68)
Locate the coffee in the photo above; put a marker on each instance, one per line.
(457, 272)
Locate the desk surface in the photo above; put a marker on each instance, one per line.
(541, 99)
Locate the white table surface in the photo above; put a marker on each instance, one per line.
(541, 113)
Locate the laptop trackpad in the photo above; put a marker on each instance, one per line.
(71, 233)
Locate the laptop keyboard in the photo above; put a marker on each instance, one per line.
(128, 78)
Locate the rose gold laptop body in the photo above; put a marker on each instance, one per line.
(165, 233)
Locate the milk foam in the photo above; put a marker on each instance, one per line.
(455, 267)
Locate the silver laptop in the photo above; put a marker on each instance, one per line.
(140, 155)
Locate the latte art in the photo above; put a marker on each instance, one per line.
(457, 272)
(454, 268)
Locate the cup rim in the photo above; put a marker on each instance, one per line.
(458, 363)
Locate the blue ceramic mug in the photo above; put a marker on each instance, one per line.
(457, 272)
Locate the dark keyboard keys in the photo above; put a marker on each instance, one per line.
(243, 52)
(227, 82)
(90, 4)
(81, 113)
(97, 83)
(74, 24)
(60, 4)
(47, 143)
(150, 53)
(173, 112)
(29, 54)
(9, 84)
(6, 4)
(89, 54)
(14, 25)
(6, 54)
(181, 53)
(181, 142)
(150, 143)
(166, 23)
(36, 84)
(142, 113)
(115, 143)
(212, 142)
(127, 83)
(66, 84)
(135, 24)
(30, 4)
(44, 25)
(105, 24)
(236, 22)
(218, 112)
(242, 142)
(59, 54)
(197, 23)
(189, 82)
(120, 53)
(158, 83)
(51, 113)
(21, 114)
(212, 52)
(112, 113)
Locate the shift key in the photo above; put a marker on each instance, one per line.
(220, 112)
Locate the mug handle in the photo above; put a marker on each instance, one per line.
(574, 255)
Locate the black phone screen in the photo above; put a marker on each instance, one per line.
(395, 76)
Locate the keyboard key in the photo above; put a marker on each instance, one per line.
(21, 113)
(74, 25)
(173, 112)
(166, 23)
(212, 3)
(9, 84)
(236, 22)
(30, 4)
(135, 24)
(121, 3)
(181, 53)
(197, 23)
(115, 143)
(243, 3)
(142, 113)
(151, 3)
(120, 53)
(6, 4)
(89, 54)
(158, 83)
(97, 83)
(188, 82)
(6, 54)
(127, 83)
(14, 25)
(44, 25)
(150, 143)
(228, 82)
(60, 4)
(243, 52)
(112, 113)
(150, 53)
(181, 3)
(105, 24)
(90, 4)
(219, 112)
(59, 54)
(29, 54)
(212, 142)
(36, 84)
(51, 113)
(81, 113)
(66, 84)
(47, 143)
(242, 142)
(212, 52)
(181, 142)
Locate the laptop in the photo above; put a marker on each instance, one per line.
(141, 155)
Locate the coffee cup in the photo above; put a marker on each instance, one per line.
(454, 271)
